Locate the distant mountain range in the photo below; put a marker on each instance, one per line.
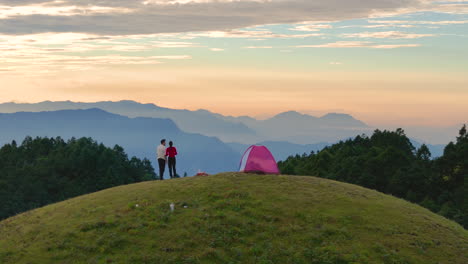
(304, 129)
(202, 122)
(289, 126)
(286, 134)
(139, 136)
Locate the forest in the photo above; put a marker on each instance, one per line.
(41, 171)
(389, 163)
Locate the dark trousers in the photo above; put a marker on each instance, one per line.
(162, 167)
(172, 165)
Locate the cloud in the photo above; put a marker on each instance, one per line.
(338, 44)
(173, 44)
(216, 49)
(311, 27)
(258, 47)
(335, 63)
(172, 57)
(251, 34)
(123, 17)
(434, 6)
(79, 42)
(40, 65)
(379, 26)
(450, 8)
(387, 35)
(46, 9)
(398, 22)
(406, 24)
(394, 46)
(358, 44)
(64, 60)
(52, 52)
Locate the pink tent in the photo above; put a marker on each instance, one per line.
(258, 159)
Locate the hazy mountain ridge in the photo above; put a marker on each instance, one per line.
(288, 126)
(304, 129)
(297, 133)
(139, 136)
(203, 122)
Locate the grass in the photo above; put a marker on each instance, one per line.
(233, 218)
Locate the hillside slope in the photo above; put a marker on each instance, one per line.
(233, 218)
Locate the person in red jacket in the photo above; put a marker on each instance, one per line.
(171, 152)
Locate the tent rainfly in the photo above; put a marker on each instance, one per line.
(258, 159)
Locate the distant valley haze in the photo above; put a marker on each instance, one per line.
(291, 126)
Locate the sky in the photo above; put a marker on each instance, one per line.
(386, 62)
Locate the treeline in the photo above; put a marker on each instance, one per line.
(41, 171)
(389, 163)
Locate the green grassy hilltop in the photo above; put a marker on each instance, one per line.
(233, 218)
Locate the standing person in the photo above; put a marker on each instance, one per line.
(161, 153)
(171, 152)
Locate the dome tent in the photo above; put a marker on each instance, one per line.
(258, 159)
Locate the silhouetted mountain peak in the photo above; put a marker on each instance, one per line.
(205, 112)
(344, 119)
(131, 104)
(337, 116)
(290, 115)
(91, 115)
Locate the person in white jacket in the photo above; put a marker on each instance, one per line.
(161, 156)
